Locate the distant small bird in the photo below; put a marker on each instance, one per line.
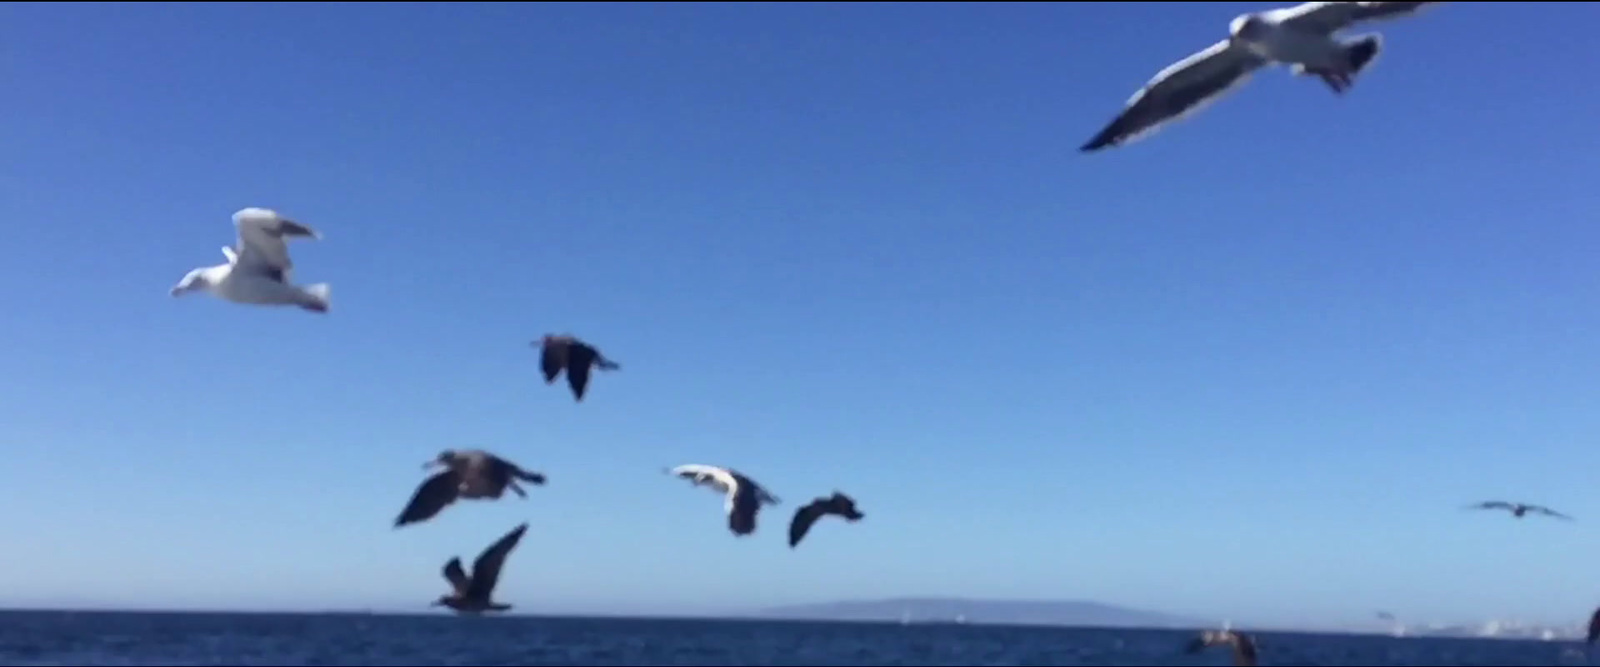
(838, 503)
(474, 595)
(471, 473)
(1301, 37)
(744, 496)
(1518, 509)
(1244, 648)
(258, 268)
(576, 356)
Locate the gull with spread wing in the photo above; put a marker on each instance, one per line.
(258, 267)
(575, 356)
(838, 503)
(473, 595)
(744, 496)
(1518, 509)
(471, 473)
(1302, 37)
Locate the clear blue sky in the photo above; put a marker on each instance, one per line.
(1250, 367)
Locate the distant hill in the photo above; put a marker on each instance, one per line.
(1007, 612)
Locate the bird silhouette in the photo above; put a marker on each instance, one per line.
(471, 473)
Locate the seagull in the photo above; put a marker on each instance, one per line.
(1518, 509)
(576, 356)
(838, 503)
(1301, 37)
(744, 496)
(472, 473)
(472, 595)
(1244, 648)
(258, 266)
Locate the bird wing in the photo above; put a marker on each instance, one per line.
(552, 357)
(486, 569)
(713, 476)
(803, 518)
(454, 574)
(432, 496)
(262, 247)
(1594, 627)
(1177, 91)
(1490, 505)
(1244, 649)
(1329, 17)
(578, 372)
(1548, 512)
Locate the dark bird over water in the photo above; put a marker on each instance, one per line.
(838, 503)
(1518, 509)
(472, 595)
(1244, 648)
(576, 356)
(471, 473)
(1594, 629)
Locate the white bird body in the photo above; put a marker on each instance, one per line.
(258, 267)
(743, 497)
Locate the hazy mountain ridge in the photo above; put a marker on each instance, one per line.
(976, 610)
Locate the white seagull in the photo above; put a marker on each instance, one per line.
(1301, 37)
(744, 496)
(258, 266)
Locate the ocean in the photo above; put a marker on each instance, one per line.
(135, 638)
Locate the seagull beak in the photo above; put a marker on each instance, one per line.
(428, 465)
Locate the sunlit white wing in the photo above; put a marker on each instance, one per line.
(718, 478)
(1330, 17)
(262, 247)
(1181, 89)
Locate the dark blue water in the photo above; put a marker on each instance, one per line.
(113, 638)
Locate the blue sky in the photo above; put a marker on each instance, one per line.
(1249, 367)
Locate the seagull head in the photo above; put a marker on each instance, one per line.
(1247, 28)
(443, 459)
(194, 280)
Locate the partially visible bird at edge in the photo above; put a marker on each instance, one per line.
(1302, 37)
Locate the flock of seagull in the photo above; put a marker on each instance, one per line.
(1302, 37)
(257, 272)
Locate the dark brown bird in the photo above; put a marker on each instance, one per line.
(1244, 648)
(576, 356)
(472, 473)
(838, 503)
(1518, 509)
(473, 595)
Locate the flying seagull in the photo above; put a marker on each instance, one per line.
(258, 266)
(574, 355)
(472, 595)
(1244, 648)
(472, 473)
(838, 503)
(1518, 509)
(1301, 37)
(744, 496)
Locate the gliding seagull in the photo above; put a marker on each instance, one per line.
(744, 496)
(1301, 37)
